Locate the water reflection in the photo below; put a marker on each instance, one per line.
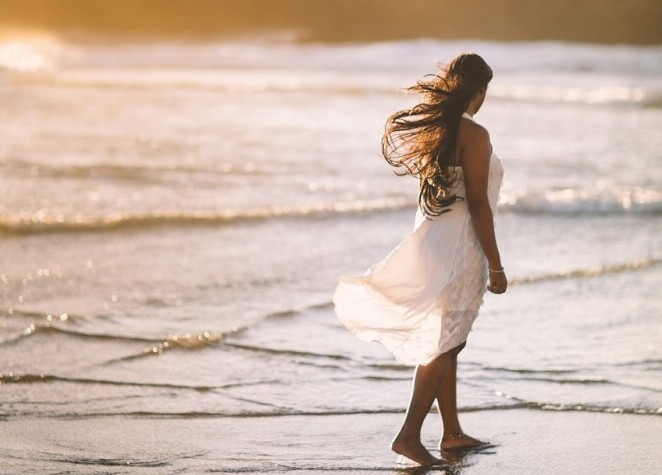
(454, 461)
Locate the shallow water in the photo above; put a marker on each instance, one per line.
(174, 217)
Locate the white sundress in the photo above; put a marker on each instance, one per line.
(422, 299)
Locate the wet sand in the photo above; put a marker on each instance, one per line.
(525, 442)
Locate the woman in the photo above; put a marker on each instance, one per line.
(422, 299)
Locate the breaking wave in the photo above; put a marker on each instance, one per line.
(44, 223)
(256, 80)
(561, 202)
(572, 201)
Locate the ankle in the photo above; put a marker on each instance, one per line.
(453, 433)
(408, 435)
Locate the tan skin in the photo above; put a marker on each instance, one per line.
(437, 380)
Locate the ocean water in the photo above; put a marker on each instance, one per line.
(174, 216)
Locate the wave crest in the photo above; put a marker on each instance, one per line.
(264, 80)
(31, 54)
(572, 201)
(33, 224)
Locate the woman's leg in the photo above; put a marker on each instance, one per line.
(447, 404)
(426, 386)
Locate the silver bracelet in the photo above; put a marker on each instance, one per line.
(502, 271)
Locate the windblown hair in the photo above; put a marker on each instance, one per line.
(421, 141)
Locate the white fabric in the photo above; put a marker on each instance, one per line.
(421, 300)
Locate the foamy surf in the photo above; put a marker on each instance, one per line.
(565, 202)
(52, 52)
(244, 81)
(585, 201)
(59, 223)
(588, 272)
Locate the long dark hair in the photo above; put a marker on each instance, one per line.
(421, 141)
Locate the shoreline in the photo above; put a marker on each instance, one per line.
(525, 442)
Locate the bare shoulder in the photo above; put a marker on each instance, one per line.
(473, 142)
(471, 132)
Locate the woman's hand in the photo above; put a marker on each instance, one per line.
(498, 282)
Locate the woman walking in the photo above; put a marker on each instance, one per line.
(421, 300)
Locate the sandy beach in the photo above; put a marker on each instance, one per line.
(525, 442)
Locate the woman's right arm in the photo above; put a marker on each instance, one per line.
(476, 151)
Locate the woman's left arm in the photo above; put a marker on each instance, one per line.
(476, 152)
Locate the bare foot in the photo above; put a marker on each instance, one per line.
(413, 450)
(460, 441)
